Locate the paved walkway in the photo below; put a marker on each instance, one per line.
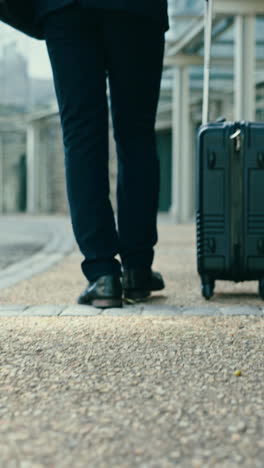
(61, 281)
(20, 238)
(128, 311)
(31, 244)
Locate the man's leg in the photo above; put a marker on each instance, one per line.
(135, 48)
(76, 51)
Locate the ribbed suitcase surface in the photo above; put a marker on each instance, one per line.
(230, 203)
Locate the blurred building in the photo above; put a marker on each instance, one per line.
(42, 93)
(18, 91)
(19, 94)
(14, 78)
(13, 188)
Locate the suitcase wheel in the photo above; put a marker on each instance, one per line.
(261, 288)
(208, 289)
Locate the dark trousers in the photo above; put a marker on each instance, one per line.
(86, 47)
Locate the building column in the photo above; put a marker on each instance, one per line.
(32, 166)
(245, 67)
(181, 209)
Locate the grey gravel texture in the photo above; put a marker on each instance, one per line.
(144, 392)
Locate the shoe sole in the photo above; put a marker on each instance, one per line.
(107, 303)
(136, 294)
(104, 303)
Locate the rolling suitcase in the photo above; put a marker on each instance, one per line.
(230, 195)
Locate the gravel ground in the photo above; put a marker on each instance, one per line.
(131, 392)
(175, 258)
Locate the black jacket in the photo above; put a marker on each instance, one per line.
(26, 16)
(20, 16)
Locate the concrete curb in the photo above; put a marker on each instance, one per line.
(61, 243)
(128, 311)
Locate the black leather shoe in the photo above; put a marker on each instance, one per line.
(139, 282)
(103, 293)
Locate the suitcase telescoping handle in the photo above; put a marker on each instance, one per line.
(208, 20)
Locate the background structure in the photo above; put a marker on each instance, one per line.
(31, 151)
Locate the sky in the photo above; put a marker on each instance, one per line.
(33, 49)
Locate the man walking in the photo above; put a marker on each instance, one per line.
(88, 42)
